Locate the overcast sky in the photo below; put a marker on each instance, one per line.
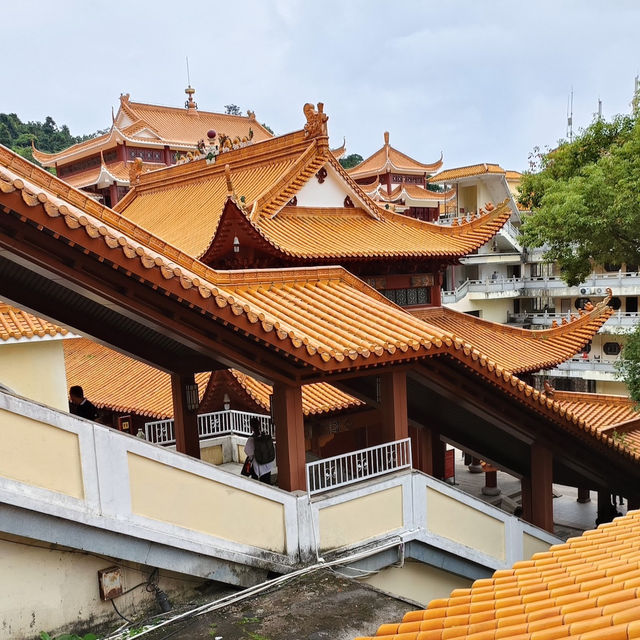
(482, 81)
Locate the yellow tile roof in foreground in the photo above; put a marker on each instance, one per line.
(117, 382)
(521, 350)
(324, 317)
(19, 325)
(585, 589)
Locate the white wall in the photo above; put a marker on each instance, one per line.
(331, 193)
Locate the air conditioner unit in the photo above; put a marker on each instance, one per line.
(598, 291)
(585, 291)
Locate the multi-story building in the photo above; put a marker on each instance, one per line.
(504, 282)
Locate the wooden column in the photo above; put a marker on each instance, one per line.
(286, 408)
(525, 488)
(429, 458)
(185, 419)
(584, 495)
(393, 407)
(541, 487)
(113, 194)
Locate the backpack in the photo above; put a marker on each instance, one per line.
(264, 450)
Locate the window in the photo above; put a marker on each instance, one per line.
(609, 266)
(408, 297)
(615, 303)
(611, 348)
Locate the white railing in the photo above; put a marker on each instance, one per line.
(210, 425)
(363, 464)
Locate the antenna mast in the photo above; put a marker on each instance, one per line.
(188, 75)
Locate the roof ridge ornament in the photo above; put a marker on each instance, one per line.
(316, 120)
(190, 103)
(386, 138)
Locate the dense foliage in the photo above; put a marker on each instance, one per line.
(628, 365)
(351, 160)
(47, 136)
(585, 200)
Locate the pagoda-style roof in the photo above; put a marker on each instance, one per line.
(141, 124)
(117, 172)
(114, 381)
(184, 204)
(388, 159)
(521, 350)
(471, 171)
(616, 416)
(323, 320)
(17, 325)
(584, 589)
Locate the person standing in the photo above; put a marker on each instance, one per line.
(80, 406)
(259, 471)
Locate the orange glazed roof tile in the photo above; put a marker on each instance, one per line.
(116, 172)
(520, 350)
(117, 382)
(449, 175)
(148, 124)
(184, 204)
(389, 159)
(585, 589)
(324, 318)
(602, 411)
(16, 324)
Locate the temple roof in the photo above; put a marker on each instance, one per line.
(521, 350)
(155, 125)
(322, 318)
(184, 205)
(16, 324)
(586, 589)
(117, 172)
(449, 175)
(112, 380)
(389, 159)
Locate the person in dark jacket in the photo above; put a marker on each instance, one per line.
(80, 406)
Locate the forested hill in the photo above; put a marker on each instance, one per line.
(47, 135)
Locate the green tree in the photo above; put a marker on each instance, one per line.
(232, 110)
(352, 160)
(585, 200)
(628, 365)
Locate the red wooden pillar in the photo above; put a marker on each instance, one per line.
(584, 495)
(431, 452)
(525, 488)
(113, 194)
(185, 413)
(541, 487)
(393, 407)
(286, 408)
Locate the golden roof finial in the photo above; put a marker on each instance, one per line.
(190, 104)
(386, 138)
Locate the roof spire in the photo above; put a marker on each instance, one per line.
(386, 138)
(190, 104)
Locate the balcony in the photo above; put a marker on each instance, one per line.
(621, 284)
(589, 368)
(619, 322)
